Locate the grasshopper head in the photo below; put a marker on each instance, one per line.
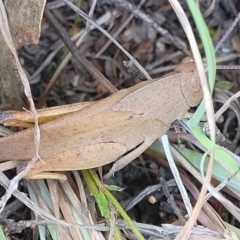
(190, 82)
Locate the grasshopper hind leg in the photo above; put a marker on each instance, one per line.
(151, 130)
(125, 160)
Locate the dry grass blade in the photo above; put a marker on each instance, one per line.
(99, 76)
(137, 64)
(119, 30)
(48, 218)
(137, 12)
(176, 175)
(226, 105)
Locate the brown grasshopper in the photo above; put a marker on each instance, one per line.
(122, 125)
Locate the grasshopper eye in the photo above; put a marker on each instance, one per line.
(191, 88)
(195, 83)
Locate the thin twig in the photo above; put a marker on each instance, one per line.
(170, 198)
(119, 30)
(81, 36)
(226, 105)
(85, 16)
(225, 36)
(81, 59)
(138, 13)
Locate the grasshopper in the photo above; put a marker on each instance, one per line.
(121, 126)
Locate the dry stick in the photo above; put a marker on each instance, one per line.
(226, 105)
(81, 59)
(210, 9)
(170, 198)
(119, 30)
(46, 62)
(164, 32)
(225, 36)
(228, 67)
(79, 37)
(57, 4)
(149, 190)
(86, 17)
(94, 2)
